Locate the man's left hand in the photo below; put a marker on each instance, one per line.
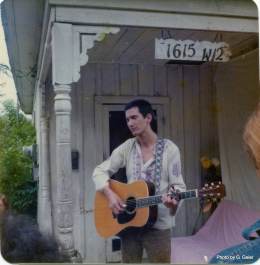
(170, 201)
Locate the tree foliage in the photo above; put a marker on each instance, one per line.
(4, 69)
(16, 180)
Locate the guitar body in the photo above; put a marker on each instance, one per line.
(107, 224)
(141, 205)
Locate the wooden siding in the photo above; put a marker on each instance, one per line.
(191, 120)
(237, 88)
(192, 128)
(52, 143)
(182, 85)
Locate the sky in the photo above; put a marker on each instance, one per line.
(7, 87)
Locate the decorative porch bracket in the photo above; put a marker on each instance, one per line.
(83, 40)
(69, 52)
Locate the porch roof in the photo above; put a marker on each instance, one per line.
(25, 25)
(22, 22)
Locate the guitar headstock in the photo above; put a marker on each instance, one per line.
(214, 191)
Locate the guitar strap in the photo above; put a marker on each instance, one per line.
(158, 163)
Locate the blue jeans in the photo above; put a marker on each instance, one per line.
(244, 253)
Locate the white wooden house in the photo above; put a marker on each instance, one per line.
(75, 65)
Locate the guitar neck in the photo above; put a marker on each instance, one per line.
(157, 199)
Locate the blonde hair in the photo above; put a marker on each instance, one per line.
(251, 136)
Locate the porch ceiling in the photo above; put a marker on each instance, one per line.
(136, 45)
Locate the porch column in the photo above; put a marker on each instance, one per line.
(44, 214)
(70, 44)
(62, 107)
(62, 78)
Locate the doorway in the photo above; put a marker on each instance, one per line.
(112, 130)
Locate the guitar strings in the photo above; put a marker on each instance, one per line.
(133, 202)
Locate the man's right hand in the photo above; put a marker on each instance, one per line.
(114, 201)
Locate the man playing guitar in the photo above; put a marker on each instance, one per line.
(150, 158)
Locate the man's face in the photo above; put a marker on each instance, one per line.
(136, 123)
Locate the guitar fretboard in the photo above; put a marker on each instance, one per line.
(154, 200)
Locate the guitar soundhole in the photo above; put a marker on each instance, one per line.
(129, 213)
(130, 205)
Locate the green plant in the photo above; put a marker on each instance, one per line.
(16, 181)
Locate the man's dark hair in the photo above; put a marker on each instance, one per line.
(21, 241)
(143, 105)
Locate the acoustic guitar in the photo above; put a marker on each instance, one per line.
(141, 205)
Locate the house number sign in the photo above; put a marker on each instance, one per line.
(189, 50)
